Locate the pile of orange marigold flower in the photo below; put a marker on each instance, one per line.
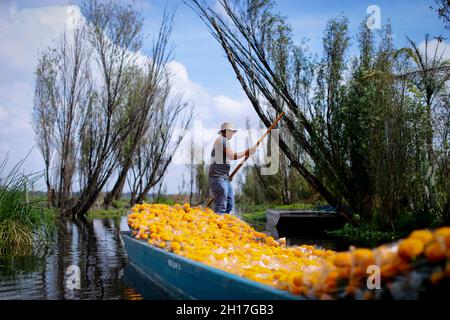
(230, 244)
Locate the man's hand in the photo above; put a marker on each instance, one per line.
(247, 153)
(252, 150)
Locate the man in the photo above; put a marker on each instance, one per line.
(219, 171)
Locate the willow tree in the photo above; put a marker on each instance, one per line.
(155, 152)
(147, 92)
(357, 120)
(100, 91)
(259, 47)
(442, 7)
(62, 89)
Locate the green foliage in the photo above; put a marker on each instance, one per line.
(258, 216)
(297, 206)
(106, 213)
(201, 181)
(23, 224)
(370, 130)
(442, 7)
(165, 200)
(364, 233)
(256, 213)
(118, 204)
(285, 187)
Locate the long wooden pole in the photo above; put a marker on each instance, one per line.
(239, 166)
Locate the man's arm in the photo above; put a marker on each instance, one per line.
(238, 155)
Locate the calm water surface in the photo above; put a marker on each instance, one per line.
(92, 245)
(95, 247)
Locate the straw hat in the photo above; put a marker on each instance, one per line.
(227, 126)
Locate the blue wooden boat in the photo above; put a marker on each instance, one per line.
(189, 279)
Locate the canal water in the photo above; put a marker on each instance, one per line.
(92, 249)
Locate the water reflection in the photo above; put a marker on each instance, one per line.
(94, 246)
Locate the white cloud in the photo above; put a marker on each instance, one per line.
(436, 47)
(24, 31)
(212, 110)
(4, 115)
(226, 105)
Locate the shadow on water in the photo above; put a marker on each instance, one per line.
(91, 246)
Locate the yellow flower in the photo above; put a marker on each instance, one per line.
(423, 235)
(175, 246)
(435, 251)
(410, 248)
(227, 243)
(343, 259)
(296, 279)
(363, 257)
(437, 276)
(442, 232)
(161, 244)
(331, 280)
(167, 237)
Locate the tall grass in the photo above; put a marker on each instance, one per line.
(23, 223)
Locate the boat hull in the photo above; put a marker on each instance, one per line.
(292, 223)
(188, 279)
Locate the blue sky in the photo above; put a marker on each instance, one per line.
(199, 63)
(205, 60)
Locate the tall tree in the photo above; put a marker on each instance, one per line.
(430, 75)
(155, 153)
(258, 44)
(101, 94)
(114, 33)
(360, 121)
(43, 121)
(145, 98)
(443, 10)
(63, 87)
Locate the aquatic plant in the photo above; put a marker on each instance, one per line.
(23, 222)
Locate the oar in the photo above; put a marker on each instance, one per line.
(239, 166)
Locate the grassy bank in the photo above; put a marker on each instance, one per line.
(257, 213)
(121, 207)
(106, 213)
(118, 208)
(365, 233)
(23, 222)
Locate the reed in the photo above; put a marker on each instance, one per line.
(23, 223)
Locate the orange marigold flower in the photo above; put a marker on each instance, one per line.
(228, 243)
(175, 245)
(410, 248)
(363, 257)
(343, 259)
(435, 251)
(423, 235)
(442, 232)
(436, 277)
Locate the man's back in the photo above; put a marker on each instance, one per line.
(220, 164)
